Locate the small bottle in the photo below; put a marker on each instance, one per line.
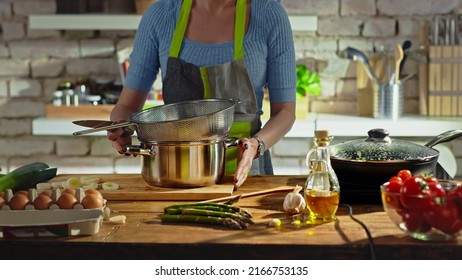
(322, 188)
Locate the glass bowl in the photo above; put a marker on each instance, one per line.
(437, 218)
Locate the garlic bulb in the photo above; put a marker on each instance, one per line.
(294, 202)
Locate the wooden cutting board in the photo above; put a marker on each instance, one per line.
(133, 187)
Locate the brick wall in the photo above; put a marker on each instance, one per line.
(34, 61)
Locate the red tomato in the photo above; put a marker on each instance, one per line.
(404, 174)
(415, 221)
(443, 216)
(392, 193)
(413, 187)
(456, 195)
(436, 190)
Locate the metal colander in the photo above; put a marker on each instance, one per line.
(193, 120)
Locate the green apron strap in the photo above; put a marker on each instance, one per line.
(180, 28)
(205, 82)
(239, 29)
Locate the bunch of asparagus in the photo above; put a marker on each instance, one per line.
(230, 216)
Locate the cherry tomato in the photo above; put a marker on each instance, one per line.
(404, 174)
(456, 195)
(396, 179)
(415, 221)
(392, 193)
(456, 228)
(443, 216)
(414, 192)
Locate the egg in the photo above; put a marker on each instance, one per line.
(70, 191)
(46, 192)
(2, 194)
(42, 202)
(22, 192)
(66, 201)
(2, 201)
(92, 191)
(91, 201)
(18, 202)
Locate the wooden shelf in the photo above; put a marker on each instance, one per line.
(128, 22)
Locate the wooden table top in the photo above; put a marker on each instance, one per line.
(143, 236)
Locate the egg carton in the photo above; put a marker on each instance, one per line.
(52, 222)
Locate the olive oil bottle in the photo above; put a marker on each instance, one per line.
(322, 188)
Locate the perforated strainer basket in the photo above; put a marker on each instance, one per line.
(193, 120)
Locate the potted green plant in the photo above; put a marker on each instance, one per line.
(308, 83)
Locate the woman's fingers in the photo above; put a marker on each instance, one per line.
(244, 163)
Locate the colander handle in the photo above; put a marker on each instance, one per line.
(107, 127)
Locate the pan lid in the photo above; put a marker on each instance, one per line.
(378, 146)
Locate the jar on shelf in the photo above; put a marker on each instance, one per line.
(68, 93)
(322, 188)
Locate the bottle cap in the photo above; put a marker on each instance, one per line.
(321, 133)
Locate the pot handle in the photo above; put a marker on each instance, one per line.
(231, 142)
(137, 150)
(444, 137)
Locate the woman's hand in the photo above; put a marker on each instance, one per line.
(247, 151)
(129, 101)
(120, 138)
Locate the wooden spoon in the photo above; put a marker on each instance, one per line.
(251, 194)
(399, 55)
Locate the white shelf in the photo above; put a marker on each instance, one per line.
(128, 22)
(337, 125)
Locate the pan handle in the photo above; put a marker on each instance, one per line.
(444, 137)
(101, 128)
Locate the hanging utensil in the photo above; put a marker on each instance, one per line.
(357, 55)
(406, 46)
(399, 55)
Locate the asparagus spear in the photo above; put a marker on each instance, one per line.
(214, 207)
(228, 222)
(242, 220)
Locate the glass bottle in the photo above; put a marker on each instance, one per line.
(322, 188)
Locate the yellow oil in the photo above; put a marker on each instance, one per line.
(322, 205)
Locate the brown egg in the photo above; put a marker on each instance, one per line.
(92, 191)
(69, 190)
(2, 201)
(91, 201)
(18, 202)
(66, 201)
(46, 192)
(42, 202)
(2, 194)
(21, 192)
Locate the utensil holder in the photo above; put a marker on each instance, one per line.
(388, 101)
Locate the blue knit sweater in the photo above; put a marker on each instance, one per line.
(268, 49)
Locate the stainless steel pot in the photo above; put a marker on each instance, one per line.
(183, 164)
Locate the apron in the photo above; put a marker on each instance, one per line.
(184, 81)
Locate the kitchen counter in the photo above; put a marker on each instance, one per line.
(145, 237)
(338, 125)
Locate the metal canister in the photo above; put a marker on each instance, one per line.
(69, 98)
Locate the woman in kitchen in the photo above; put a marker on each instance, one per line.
(192, 41)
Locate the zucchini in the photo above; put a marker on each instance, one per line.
(27, 176)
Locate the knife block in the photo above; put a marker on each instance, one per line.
(444, 80)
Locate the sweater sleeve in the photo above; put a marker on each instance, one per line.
(281, 71)
(144, 59)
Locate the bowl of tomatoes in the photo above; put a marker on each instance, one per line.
(423, 206)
